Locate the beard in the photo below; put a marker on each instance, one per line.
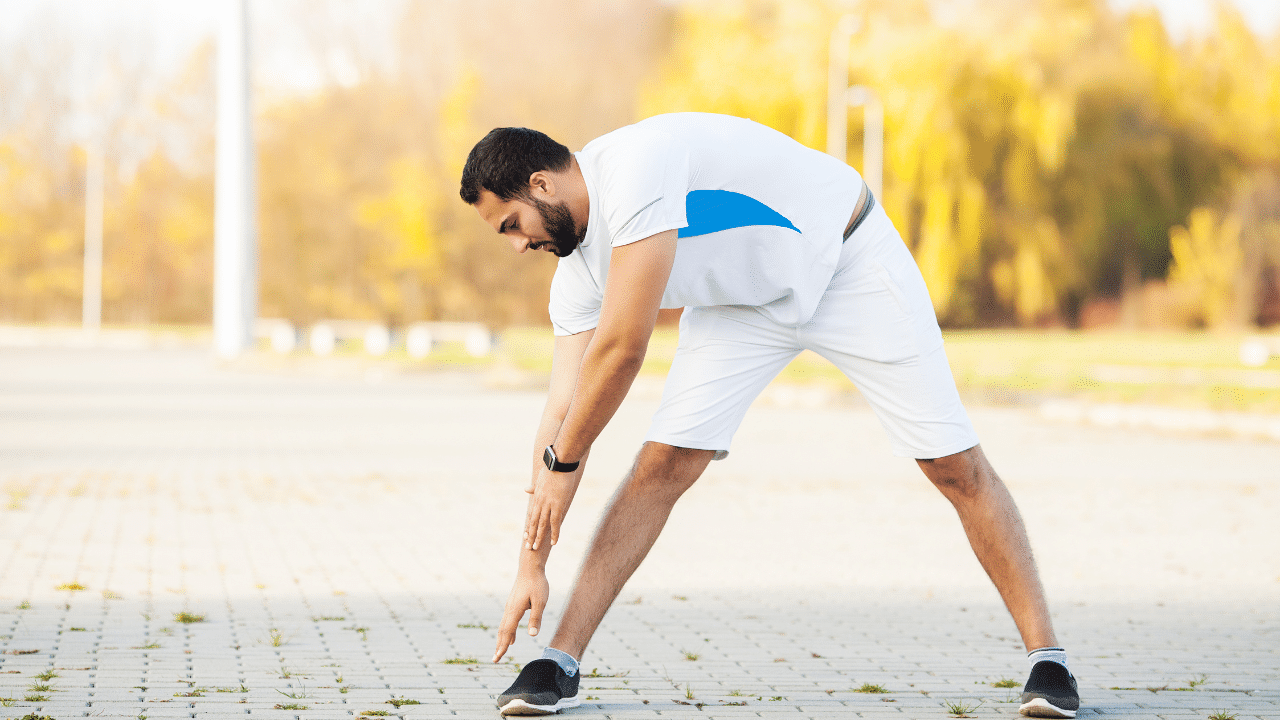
(558, 223)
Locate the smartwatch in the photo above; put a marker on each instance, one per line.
(554, 465)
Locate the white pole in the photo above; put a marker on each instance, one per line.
(872, 134)
(837, 86)
(235, 290)
(94, 181)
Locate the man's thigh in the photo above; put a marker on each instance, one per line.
(727, 355)
(876, 324)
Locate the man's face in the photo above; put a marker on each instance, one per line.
(531, 224)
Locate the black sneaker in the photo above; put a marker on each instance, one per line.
(542, 688)
(1050, 692)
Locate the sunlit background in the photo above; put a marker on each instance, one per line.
(1090, 187)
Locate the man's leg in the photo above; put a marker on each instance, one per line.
(631, 524)
(998, 538)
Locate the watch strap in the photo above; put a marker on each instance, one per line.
(554, 465)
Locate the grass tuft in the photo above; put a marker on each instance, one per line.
(187, 618)
(1005, 683)
(461, 661)
(402, 701)
(870, 688)
(290, 706)
(71, 586)
(961, 708)
(1222, 715)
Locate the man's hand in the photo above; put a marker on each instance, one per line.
(552, 494)
(529, 593)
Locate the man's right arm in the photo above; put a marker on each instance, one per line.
(530, 590)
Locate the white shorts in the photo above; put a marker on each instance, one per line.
(875, 323)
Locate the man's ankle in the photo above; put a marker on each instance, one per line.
(566, 661)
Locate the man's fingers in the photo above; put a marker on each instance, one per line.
(507, 629)
(536, 531)
(557, 519)
(535, 615)
(504, 641)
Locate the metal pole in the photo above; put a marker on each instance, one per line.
(837, 86)
(94, 181)
(235, 290)
(872, 134)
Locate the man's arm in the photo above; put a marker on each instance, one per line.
(638, 275)
(530, 590)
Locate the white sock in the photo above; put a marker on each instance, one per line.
(563, 659)
(1054, 654)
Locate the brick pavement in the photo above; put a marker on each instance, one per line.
(345, 533)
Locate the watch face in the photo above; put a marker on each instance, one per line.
(549, 458)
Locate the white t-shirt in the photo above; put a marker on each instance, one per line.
(760, 216)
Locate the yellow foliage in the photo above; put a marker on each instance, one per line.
(1206, 264)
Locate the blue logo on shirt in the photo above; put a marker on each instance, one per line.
(711, 211)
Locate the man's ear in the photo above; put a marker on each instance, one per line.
(540, 183)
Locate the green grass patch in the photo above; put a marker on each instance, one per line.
(187, 618)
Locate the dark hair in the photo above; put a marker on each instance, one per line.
(503, 161)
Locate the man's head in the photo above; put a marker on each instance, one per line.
(521, 182)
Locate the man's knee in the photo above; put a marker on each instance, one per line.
(667, 469)
(962, 475)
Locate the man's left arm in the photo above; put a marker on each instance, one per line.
(638, 275)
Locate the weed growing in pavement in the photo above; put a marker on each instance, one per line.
(111, 595)
(1005, 683)
(148, 646)
(461, 661)
(375, 713)
(1222, 715)
(71, 586)
(363, 631)
(473, 626)
(187, 618)
(402, 701)
(338, 679)
(595, 673)
(47, 675)
(299, 694)
(776, 698)
(166, 631)
(24, 605)
(344, 690)
(8, 701)
(1155, 690)
(872, 689)
(691, 657)
(735, 693)
(277, 638)
(33, 716)
(76, 629)
(688, 692)
(1197, 681)
(41, 687)
(33, 697)
(961, 708)
(229, 689)
(193, 692)
(285, 672)
(290, 706)
(327, 618)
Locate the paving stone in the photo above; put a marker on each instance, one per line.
(275, 500)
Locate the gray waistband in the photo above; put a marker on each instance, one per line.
(866, 210)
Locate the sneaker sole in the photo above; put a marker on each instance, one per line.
(520, 707)
(1039, 707)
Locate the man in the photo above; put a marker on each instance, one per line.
(771, 248)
